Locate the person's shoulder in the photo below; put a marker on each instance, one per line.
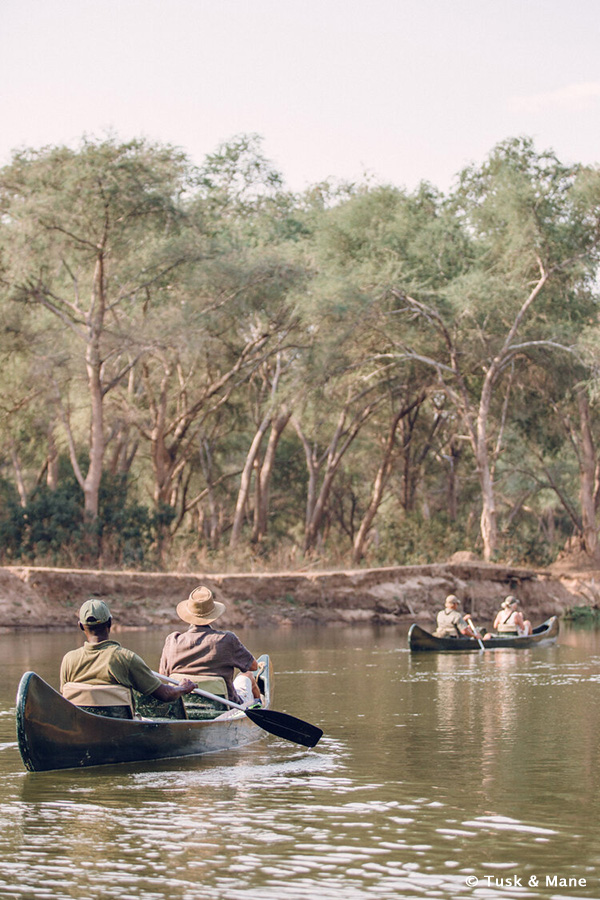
(173, 636)
(125, 653)
(129, 658)
(231, 635)
(227, 636)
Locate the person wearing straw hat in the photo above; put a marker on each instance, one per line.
(202, 650)
(103, 661)
(510, 619)
(451, 622)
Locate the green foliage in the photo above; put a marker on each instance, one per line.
(412, 540)
(49, 527)
(583, 615)
(154, 315)
(52, 528)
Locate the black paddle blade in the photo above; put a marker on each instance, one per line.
(284, 726)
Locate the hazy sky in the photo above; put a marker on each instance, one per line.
(401, 89)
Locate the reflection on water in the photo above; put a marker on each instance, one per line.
(434, 768)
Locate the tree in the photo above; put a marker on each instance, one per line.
(403, 406)
(533, 236)
(88, 234)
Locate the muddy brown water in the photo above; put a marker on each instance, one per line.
(439, 775)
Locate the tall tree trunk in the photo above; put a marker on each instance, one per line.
(380, 481)
(91, 487)
(93, 363)
(18, 476)
(587, 470)
(252, 457)
(454, 456)
(381, 477)
(263, 477)
(488, 522)
(52, 460)
(240, 507)
(317, 500)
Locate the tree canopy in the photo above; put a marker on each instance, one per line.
(201, 367)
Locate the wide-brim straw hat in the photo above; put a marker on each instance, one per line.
(452, 598)
(200, 608)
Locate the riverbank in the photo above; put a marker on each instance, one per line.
(48, 598)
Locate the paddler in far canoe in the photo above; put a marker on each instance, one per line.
(452, 623)
(509, 620)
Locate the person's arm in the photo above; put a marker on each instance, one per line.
(248, 673)
(63, 673)
(130, 669)
(169, 692)
(470, 630)
(234, 652)
(519, 620)
(246, 668)
(164, 667)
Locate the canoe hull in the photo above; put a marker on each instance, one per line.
(52, 733)
(546, 633)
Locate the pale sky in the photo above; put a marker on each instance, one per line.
(401, 90)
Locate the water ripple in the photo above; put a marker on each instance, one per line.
(495, 771)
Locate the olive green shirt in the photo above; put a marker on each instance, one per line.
(108, 663)
(450, 623)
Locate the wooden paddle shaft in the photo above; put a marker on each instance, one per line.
(474, 627)
(202, 693)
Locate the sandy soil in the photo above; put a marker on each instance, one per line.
(50, 598)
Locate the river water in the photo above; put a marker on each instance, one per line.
(439, 775)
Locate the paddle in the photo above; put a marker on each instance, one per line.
(477, 638)
(281, 724)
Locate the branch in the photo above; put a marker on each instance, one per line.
(42, 297)
(72, 449)
(544, 275)
(65, 231)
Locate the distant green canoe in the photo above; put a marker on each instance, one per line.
(546, 633)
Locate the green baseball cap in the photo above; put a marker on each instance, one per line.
(94, 612)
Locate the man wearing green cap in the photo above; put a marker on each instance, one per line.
(103, 661)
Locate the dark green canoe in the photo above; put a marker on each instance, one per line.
(52, 733)
(546, 633)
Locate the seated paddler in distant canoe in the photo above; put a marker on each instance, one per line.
(207, 656)
(452, 623)
(102, 673)
(509, 620)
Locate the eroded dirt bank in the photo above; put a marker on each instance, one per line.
(49, 598)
